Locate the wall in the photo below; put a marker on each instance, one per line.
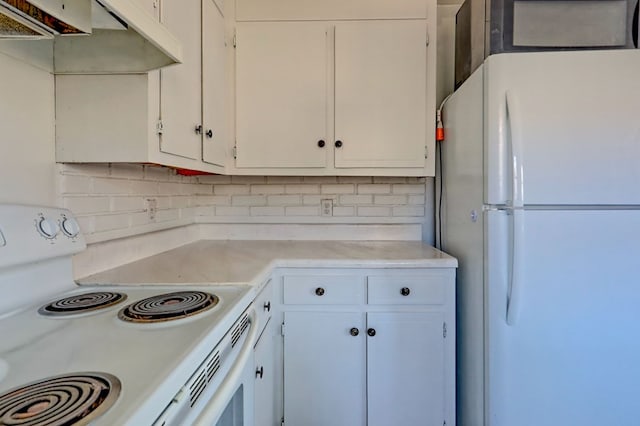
(446, 49)
(27, 172)
(111, 200)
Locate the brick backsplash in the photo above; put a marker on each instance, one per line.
(111, 200)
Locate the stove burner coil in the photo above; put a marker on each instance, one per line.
(65, 400)
(81, 303)
(169, 306)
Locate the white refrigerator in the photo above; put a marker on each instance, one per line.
(541, 206)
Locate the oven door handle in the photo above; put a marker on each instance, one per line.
(227, 388)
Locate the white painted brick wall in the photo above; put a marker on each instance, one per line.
(113, 198)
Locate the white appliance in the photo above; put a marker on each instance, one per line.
(130, 353)
(541, 205)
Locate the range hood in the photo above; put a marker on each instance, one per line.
(92, 36)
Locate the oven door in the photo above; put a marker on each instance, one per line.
(220, 392)
(232, 403)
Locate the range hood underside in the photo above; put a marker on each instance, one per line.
(104, 52)
(124, 37)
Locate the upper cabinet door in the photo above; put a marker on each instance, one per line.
(380, 93)
(181, 109)
(214, 83)
(281, 94)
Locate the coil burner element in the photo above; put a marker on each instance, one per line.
(169, 306)
(81, 303)
(70, 399)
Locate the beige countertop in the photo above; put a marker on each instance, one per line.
(249, 262)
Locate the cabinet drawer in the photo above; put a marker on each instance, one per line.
(321, 290)
(263, 305)
(406, 290)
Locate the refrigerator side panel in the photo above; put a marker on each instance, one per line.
(497, 272)
(562, 128)
(462, 236)
(571, 355)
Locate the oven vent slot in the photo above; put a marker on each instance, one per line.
(239, 329)
(203, 376)
(213, 365)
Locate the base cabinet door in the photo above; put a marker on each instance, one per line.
(405, 369)
(324, 369)
(264, 402)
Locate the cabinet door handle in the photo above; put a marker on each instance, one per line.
(259, 372)
(209, 133)
(319, 291)
(321, 143)
(405, 291)
(371, 332)
(198, 129)
(267, 306)
(354, 331)
(338, 144)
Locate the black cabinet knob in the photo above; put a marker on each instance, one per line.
(198, 129)
(321, 143)
(405, 291)
(259, 372)
(209, 133)
(338, 144)
(371, 332)
(267, 306)
(354, 331)
(319, 291)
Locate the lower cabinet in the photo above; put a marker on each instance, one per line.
(264, 410)
(264, 355)
(405, 369)
(377, 350)
(325, 374)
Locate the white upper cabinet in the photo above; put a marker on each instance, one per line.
(163, 117)
(181, 108)
(214, 85)
(380, 93)
(334, 98)
(301, 10)
(281, 94)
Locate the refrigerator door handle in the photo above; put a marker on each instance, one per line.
(514, 290)
(514, 126)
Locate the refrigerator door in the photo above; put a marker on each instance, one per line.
(562, 128)
(569, 351)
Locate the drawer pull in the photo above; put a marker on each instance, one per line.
(319, 291)
(354, 331)
(371, 332)
(405, 291)
(259, 372)
(267, 306)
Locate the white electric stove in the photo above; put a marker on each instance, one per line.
(105, 355)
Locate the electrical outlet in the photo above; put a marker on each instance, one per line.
(152, 207)
(326, 207)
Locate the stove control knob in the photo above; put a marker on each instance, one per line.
(48, 228)
(70, 227)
